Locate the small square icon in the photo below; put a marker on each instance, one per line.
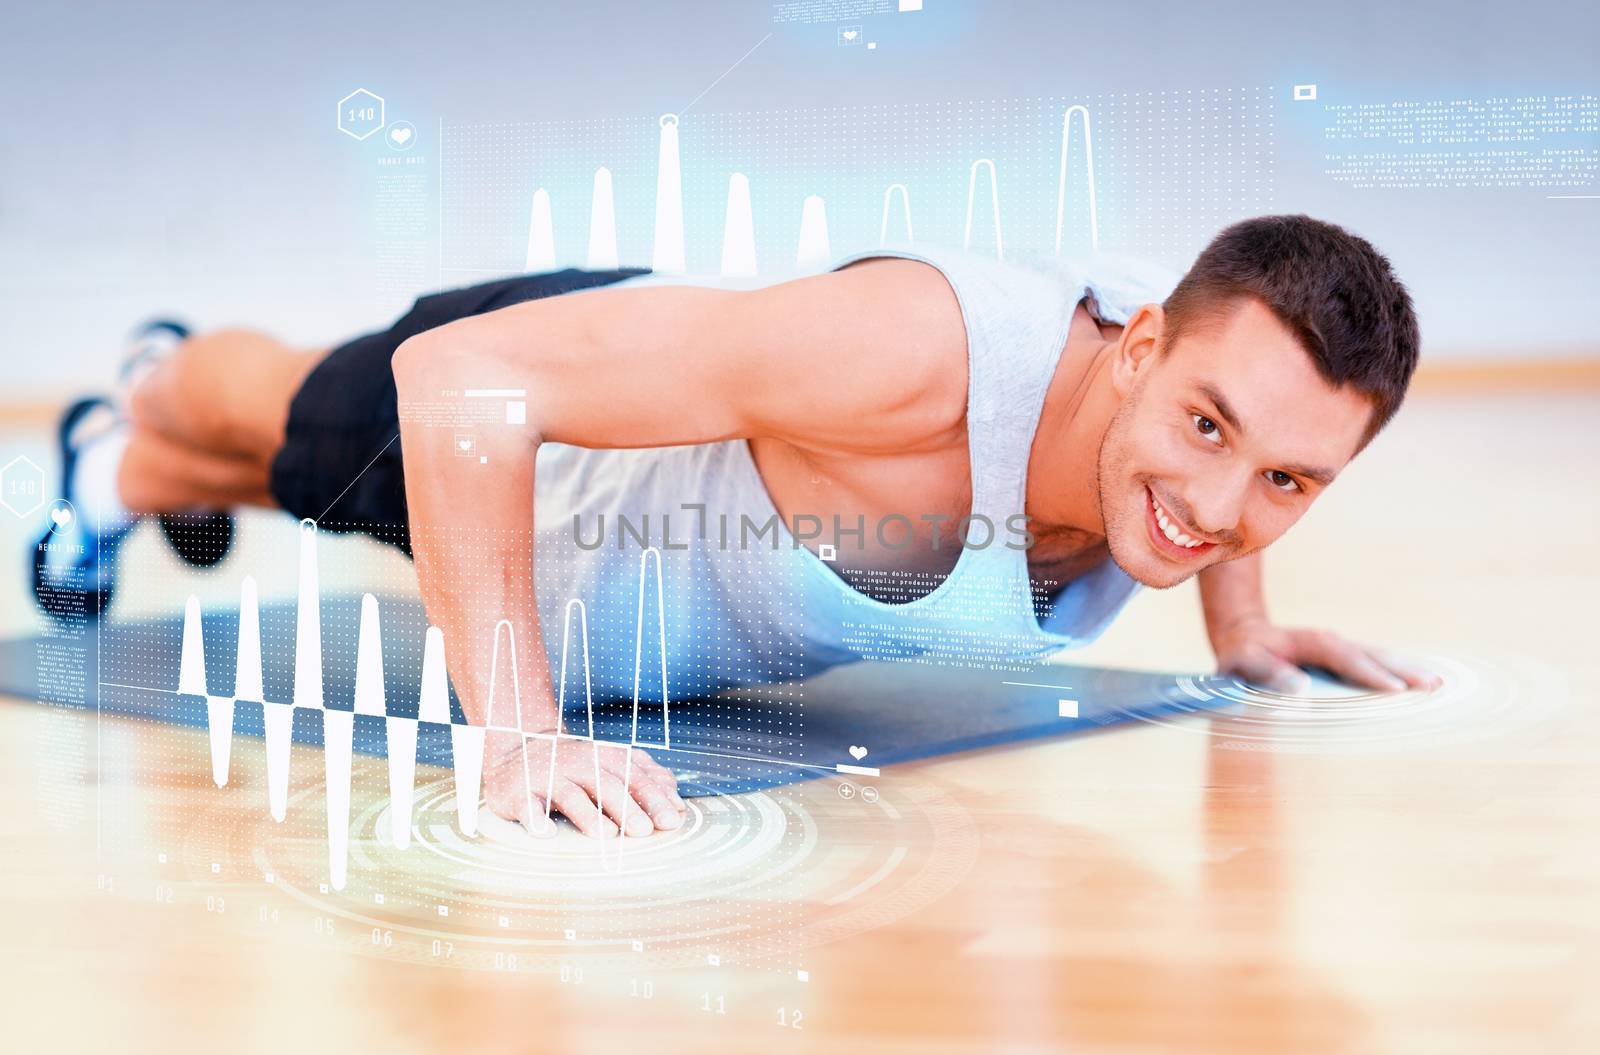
(516, 412)
(849, 36)
(638, 946)
(1067, 708)
(216, 869)
(1305, 93)
(161, 859)
(483, 459)
(322, 887)
(572, 935)
(444, 910)
(804, 976)
(377, 899)
(505, 921)
(714, 960)
(872, 45)
(828, 551)
(271, 877)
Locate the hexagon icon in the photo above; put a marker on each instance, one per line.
(360, 114)
(21, 486)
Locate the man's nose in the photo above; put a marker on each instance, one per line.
(1217, 503)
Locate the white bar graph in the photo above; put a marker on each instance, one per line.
(738, 231)
(814, 251)
(602, 223)
(668, 257)
(541, 255)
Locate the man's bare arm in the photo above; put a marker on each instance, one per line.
(825, 361)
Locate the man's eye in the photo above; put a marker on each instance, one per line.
(1282, 480)
(1207, 428)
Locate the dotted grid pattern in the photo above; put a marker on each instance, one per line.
(1529, 141)
(1170, 169)
(142, 663)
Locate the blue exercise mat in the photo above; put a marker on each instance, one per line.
(738, 740)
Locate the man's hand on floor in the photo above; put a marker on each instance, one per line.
(1271, 656)
(595, 786)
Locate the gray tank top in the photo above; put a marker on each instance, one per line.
(719, 602)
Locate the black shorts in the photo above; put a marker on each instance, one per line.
(340, 460)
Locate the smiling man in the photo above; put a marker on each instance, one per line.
(1001, 454)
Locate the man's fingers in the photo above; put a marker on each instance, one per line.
(642, 765)
(665, 778)
(1347, 660)
(1260, 666)
(648, 790)
(576, 805)
(612, 795)
(1414, 676)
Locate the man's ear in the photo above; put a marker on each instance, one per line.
(1137, 348)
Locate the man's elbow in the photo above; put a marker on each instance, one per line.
(420, 367)
(434, 367)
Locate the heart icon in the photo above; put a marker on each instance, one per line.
(466, 445)
(61, 516)
(850, 34)
(401, 136)
(858, 753)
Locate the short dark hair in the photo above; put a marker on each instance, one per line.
(1331, 288)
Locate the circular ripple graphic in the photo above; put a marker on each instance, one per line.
(1481, 698)
(752, 878)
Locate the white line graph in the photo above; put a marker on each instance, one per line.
(467, 740)
(905, 206)
(994, 201)
(1061, 180)
(433, 708)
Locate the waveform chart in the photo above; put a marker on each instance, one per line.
(750, 879)
(1482, 698)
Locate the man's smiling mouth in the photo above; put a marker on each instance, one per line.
(1168, 535)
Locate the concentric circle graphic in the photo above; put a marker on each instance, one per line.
(752, 878)
(1481, 698)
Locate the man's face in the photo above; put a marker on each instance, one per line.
(1219, 444)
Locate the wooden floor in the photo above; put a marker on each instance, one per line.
(1152, 889)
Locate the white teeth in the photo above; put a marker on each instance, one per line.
(1169, 529)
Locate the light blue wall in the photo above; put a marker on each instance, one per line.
(169, 156)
